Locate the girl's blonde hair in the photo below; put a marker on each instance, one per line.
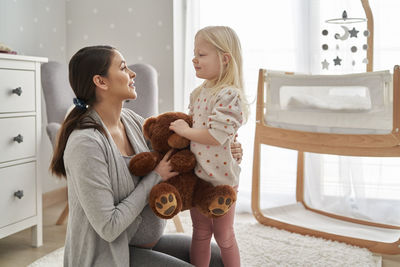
(225, 41)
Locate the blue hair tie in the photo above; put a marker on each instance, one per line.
(79, 103)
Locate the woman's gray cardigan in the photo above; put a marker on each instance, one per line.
(104, 204)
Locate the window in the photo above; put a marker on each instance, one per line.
(286, 35)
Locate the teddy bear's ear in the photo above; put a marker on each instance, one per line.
(148, 127)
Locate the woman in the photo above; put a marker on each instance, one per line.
(110, 222)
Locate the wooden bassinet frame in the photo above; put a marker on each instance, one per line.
(372, 145)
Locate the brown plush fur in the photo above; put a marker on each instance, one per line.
(185, 190)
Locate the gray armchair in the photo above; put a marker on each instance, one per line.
(58, 96)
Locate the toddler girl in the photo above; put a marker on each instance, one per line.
(218, 107)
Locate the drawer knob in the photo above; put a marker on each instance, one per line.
(19, 139)
(17, 91)
(19, 194)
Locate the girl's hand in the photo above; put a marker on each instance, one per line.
(179, 127)
(237, 151)
(164, 168)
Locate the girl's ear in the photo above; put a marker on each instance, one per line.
(99, 82)
(226, 57)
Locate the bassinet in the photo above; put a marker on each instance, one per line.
(353, 115)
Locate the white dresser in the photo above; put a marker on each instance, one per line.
(20, 132)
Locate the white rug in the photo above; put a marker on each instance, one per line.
(266, 246)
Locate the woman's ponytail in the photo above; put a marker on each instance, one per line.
(83, 66)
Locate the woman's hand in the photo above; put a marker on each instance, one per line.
(237, 151)
(179, 127)
(164, 168)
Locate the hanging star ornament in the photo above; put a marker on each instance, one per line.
(325, 64)
(337, 60)
(353, 32)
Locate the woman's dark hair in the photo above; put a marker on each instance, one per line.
(83, 66)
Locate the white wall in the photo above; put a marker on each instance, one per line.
(36, 28)
(141, 29)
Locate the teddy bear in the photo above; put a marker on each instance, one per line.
(184, 190)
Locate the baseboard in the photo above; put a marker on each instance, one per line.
(55, 196)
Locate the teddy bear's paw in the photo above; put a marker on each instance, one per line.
(166, 204)
(220, 205)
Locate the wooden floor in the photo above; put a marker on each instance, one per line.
(15, 250)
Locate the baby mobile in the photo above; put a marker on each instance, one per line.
(349, 44)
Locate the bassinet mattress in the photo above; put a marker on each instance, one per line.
(332, 122)
(348, 104)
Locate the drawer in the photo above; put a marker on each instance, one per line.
(13, 179)
(11, 80)
(17, 138)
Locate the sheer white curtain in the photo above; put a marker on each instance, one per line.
(360, 187)
(286, 35)
(268, 38)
